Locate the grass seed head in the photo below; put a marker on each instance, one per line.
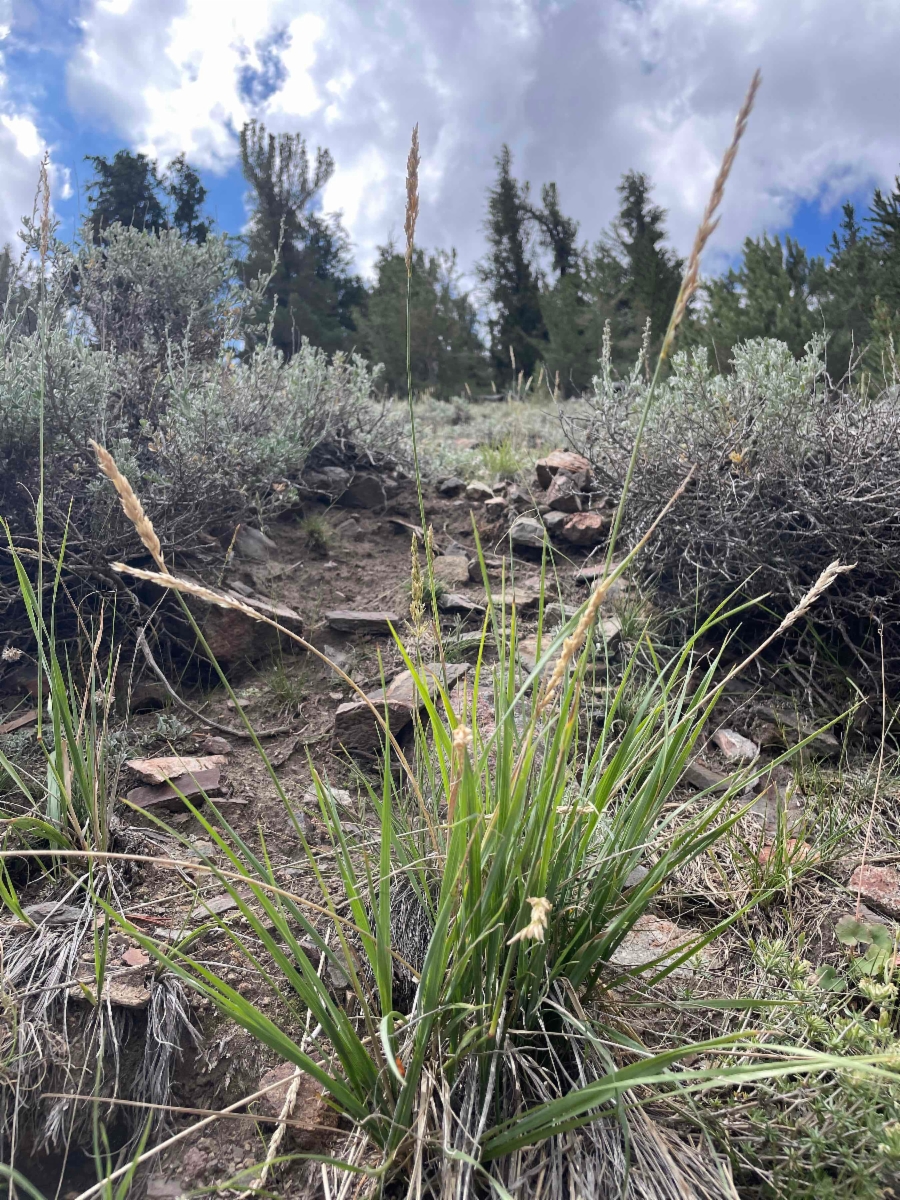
(131, 505)
(710, 220)
(412, 197)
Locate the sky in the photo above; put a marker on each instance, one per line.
(581, 90)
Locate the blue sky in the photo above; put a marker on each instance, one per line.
(581, 89)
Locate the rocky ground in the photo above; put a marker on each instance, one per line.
(339, 570)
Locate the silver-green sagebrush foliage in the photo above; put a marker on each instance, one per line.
(793, 471)
(138, 344)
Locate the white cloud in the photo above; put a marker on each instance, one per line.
(581, 90)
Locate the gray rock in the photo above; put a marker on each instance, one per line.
(554, 521)
(651, 938)
(369, 491)
(252, 544)
(451, 569)
(704, 778)
(495, 508)
(526, 531)
(479, 492)
(327, 482)
(350, 620)
(458, 602)
(452, 486)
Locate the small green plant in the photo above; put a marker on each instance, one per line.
(316, 531)
(501, 459)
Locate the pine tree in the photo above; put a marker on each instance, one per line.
(447, 352)
(187, 194)
(313, 292)
(849, 292)
(634, 275)
(518, 332)
(773, 293)
(126, 189)
(557, 233)
(131, 190)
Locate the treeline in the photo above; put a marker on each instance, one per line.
(545, 293)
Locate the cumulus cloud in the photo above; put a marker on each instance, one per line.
(581, 90)
(21, 149)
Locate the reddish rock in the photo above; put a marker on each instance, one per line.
(357, 729)
(585, 529)
(169, 795)
(313, 1122)
(563, 460)
(879, 886)
(650, 938)
(234, 636)
(564, 494)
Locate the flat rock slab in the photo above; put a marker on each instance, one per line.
(351, 620)
(524, 599)
(124, 989)
(458, 602)
(28, 718)
(160, 770)
(170, 794)
(651, 937)
(356, 727)
(878, 886)
(704, 778)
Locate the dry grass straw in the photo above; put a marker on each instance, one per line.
(132, 507)
(710, 220)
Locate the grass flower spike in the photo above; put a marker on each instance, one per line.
(534, 930)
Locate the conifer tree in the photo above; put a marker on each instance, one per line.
(447, 352)
(774, 293)
(517, 328)
(125, 189)
(313, 291)
(130, 189)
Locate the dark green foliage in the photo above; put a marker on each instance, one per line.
(312, 292)
(447, 352)
(518, 331)
(633, 276)
(771, 294)
(187, 194)
(556, 232)
(129, 190)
